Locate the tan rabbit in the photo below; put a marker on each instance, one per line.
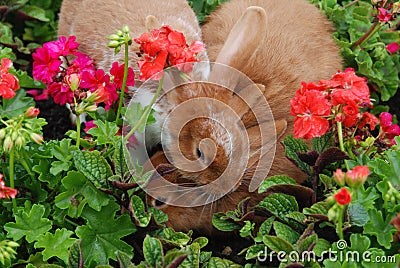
(92, 21)
(277, 44)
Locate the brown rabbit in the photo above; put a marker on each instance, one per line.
(277, 44)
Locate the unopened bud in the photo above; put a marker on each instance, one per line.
(357, 176)
(91, 108)
(339, 177)
(119, 32)
(36, 138)
(114, 37)
(73, 81)
(32, 112)
(125, 29)
(19, 142)
(14, 135)
(113, 44)
(8, 144)
(2, 133)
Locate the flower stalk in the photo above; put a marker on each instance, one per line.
(11, 172)
(122, 93)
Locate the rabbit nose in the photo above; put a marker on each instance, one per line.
(159, 202)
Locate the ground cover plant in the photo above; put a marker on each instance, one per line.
(75, 200)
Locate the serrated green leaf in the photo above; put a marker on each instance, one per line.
(56, 245)
(297, 216)
(285, 232)
(101, 237)
(193, 258)
(43, 169)
(120, 158)
(264, 229)
(35, 12)
(294, 146)
(153, 251)
(79, 192)
(124, 260)
(141, 216)
(255, 251)
(320, 208)
(159, 216)
(321, 247)
(17, 105)
(304, 245)
(380, 227)
(133, 115)
(359, 243)
(247, 229)
(358, 214)
(280, 205)
(62, 152)
(170, 236)
(389, 169)
(29, 223)
(277, 244)
(93, 166)
(275, 180)
(319, 144)
(104, 132)
(173, 258)
(220, 222)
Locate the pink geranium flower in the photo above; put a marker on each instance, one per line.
(62, 46)
(392, 47)
(45, 67)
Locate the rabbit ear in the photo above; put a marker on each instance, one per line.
(152, 23)
(244, 38)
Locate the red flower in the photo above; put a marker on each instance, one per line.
(99, 82)
(61, 93)
(351, 115)
(342, 197)
(309, 107)
(8, 82)
(32, 112)
(384, 15)
(348, 87)
(368, 118)
(392, 47)
(6, 192)
(357, 176)
(45, 68)
(118, 75)
(149, 68)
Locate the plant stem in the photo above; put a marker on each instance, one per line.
(11, 172)
(147, 110)
(350, 4)
(122, 93)
(78, 130)
(367, 35)
(340, 223)
(340, 137)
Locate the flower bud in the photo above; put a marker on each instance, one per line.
(19, 142)
(32, 112)
(91, 108)
(8, 144)
(2, 133)
(14, 135)
(119, 32)
(73, 80)
(339, 177)
(114, 37)
(113, 44)
(357, 176)
(343, 197)
(125, 29)
(36, 138)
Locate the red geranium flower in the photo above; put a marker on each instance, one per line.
(348, 87)
(6, 192)
(310, 107)
(8, 82)
(149, 68)
(351, 115)
(370, 119)
(342, 197)
(118, 75)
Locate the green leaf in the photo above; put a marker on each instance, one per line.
(389, 169)
(173, 258)
(247, 229)
(280, 205)
(101, 237)
(294, 146)
(120, 158)
(29, 223)
(35, 12)
(79, 192)
(359, 243)
(104, 132)
(93, 166)
(358, 214)
(16, 105)
(285, 232)
(319, 144)
(43, 169)
(56, 245)
(321, 247)
(142, 218)
(153, 251)
(171, 237)
(62, 152)
(193, 258)
(159, 216)
(304, 245)
(275, 180)
(255, 251)
(134, 113)
(319, 208)
(124, 260)
(223, 223)
(216, 262)
(277, 244)
(75, 258)
(380, 227)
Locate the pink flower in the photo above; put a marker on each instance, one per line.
(61, 93)
(384, 15)
(392, 47)
(385, 119)
(99, 82)
(32, 112)
(8, 82)
(118, 73)
(357, 176)
(39, 95)
(82, 63)
(89, 125)
(62, 46)
(339, 177)
(45, 67)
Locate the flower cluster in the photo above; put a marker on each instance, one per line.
(165, 47)
(317, 106)
(71, 75)
(8, 82)
(353, 178)
(6, 192)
